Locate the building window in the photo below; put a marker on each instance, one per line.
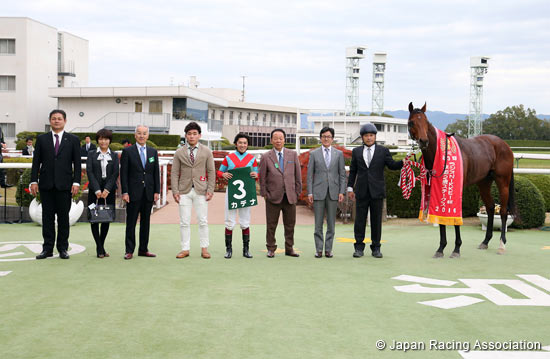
(222, 115)
(379, 127)
(7, 46)
(213, 115)
(7, 83)
(8, 129)
(155, 106)
(402, 129)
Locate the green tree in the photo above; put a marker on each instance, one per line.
(459, 128)
(515, 123)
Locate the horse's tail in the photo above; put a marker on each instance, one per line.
(512, 208)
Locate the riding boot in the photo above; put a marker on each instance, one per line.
(228, 247)
(246, 242)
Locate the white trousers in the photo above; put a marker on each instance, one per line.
(231, 216)
(187, 201)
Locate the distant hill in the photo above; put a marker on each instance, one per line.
(439, 119)
(442, 119)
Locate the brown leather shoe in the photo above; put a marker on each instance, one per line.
(270, 254)
(106, 254)
(329, 254)
(128, 256)
(183, 254)
(292, 254)
(147, 254)
(205, 253)
(318, 254)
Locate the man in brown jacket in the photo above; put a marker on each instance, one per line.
(193, 181)
(280, 186)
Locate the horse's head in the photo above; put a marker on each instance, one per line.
(418, 125)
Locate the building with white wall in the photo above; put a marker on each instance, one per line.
(391, 131)
(33, 58)
(170, 109)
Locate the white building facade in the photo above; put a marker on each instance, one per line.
(391, 131)
(33, 58)
(170, 109)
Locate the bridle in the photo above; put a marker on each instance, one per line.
(431, 172)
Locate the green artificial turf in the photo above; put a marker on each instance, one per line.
(283, 307)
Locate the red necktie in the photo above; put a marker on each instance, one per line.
(191, 155)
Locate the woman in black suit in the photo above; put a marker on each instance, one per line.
(102, 169)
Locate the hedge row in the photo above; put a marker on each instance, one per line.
(529, 203)
(402, 208)
(528, 143)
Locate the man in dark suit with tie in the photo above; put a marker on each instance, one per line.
(366, 183)
(280, 185)
(87, 147)
(56, 171)
(140, 182)
(2, 173)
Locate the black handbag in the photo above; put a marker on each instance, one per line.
(101, 213)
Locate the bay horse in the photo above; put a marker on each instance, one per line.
(485, 159)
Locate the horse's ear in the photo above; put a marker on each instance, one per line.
(411, 107)
(423, 109)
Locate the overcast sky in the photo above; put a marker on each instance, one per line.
(293, 52)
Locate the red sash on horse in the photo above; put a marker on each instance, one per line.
(442, 194)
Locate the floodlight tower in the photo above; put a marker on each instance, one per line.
(378, 69)
(478, 69)
(353, 55)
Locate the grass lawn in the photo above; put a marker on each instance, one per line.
(284, 307)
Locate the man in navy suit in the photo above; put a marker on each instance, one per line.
(140, 182)
(56, 171)
(366, 183)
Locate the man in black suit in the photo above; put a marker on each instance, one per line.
(2, 173)
(140, 182)
(56, 171)
(87, 147)
(366, 175)
(29, 149)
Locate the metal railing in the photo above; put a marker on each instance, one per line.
(157, 122)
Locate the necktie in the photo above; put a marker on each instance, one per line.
(327, 157)
(142, 149)
(192, 155)
(369, 157)
(56, 143)
(281, 162)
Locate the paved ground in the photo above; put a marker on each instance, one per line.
(216, 209)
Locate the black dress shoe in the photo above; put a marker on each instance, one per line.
(270, 254)
(377, 254)
(292, 254)
(63, 255)
(358, 253)
(329, 254)
(318, 254)
(44, 255)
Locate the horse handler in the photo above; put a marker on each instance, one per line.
(366, 183)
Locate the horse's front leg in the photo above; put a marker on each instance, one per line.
(442, 241)
(458, 243)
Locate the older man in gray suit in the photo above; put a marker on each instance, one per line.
(326, 185)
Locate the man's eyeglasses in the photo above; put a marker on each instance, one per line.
(326, 137)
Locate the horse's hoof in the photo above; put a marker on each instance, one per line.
(455, 255)
(438, 255)
(482, 246)
(501, 251)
